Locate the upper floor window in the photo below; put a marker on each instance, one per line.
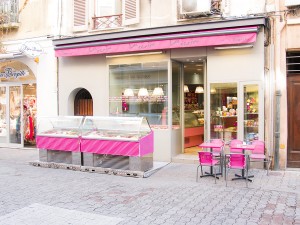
(106, 13)
(9, 11)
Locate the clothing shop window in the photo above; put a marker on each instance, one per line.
(9, 10)
(140, 90)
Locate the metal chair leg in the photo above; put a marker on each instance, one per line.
(197, 176)
(226, 175)
(214, 169)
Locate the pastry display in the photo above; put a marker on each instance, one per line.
(62, 132)
(98, 134)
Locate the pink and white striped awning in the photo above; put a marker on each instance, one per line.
(218, 37)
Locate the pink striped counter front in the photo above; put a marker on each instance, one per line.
(123, 148)
(57, 143)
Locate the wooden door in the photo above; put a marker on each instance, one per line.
(293, 113)
(83, 104)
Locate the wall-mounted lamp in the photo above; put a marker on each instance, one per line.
(134, 54)
(233, 47)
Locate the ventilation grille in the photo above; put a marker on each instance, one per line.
(293, 62)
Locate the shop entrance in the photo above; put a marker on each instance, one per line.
(188, 100)
(17, 105)
(193, 114)
(17, 115)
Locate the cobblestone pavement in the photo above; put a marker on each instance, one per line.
(34, 195)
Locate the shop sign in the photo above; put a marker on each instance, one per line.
(31, 49)
(12, 73)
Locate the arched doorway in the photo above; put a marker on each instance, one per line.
(83, 103)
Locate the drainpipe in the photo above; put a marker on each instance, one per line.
(279, 27)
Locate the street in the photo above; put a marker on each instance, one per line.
(32, 195)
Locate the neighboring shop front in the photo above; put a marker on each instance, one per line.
(192, 82)
(17, 105)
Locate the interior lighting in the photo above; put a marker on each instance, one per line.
(128, 92)
(143, 92)
(186, 89)
(199, 89)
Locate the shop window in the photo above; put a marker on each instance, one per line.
(9, 11)
(224, 104)
(140, 90)
(83, 105)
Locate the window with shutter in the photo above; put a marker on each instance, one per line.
(80, 15)
(131, 12)
(108, 14)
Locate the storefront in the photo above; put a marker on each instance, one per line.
(192, 82)
(17, 105)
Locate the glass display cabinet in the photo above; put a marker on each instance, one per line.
(117, 142)
(193, 128)
(58, 139)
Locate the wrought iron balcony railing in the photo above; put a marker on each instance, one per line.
(104, 22)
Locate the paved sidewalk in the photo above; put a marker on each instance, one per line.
(33, 195)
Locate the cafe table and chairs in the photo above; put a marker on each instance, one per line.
(236, 161)
(206, 159)
(242, 147)
(215, 146)
(258, 154)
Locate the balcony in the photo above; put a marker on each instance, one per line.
(107, 22)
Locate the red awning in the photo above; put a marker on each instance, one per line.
(219, 37)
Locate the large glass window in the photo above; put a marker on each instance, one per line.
(176, 100)
(140, 90)
(224, 104)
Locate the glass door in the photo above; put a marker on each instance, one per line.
(3, 122)
(10, 116)
(252, 112)
(15, 94)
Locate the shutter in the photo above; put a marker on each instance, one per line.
(131, 12)
(80, 15)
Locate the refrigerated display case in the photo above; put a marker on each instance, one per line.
(117, 142)
(58, 139)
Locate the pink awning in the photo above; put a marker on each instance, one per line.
(221, 37)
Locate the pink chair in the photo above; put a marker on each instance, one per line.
(206, 159)
(218, 152)
(233, 143)
(236, 161)
(258, 154)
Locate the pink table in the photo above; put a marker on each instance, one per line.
(211, 145)
(243, 147)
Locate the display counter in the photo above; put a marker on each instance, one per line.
(194, 129)
(128, 139)
(58, 139)
(110, 142)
